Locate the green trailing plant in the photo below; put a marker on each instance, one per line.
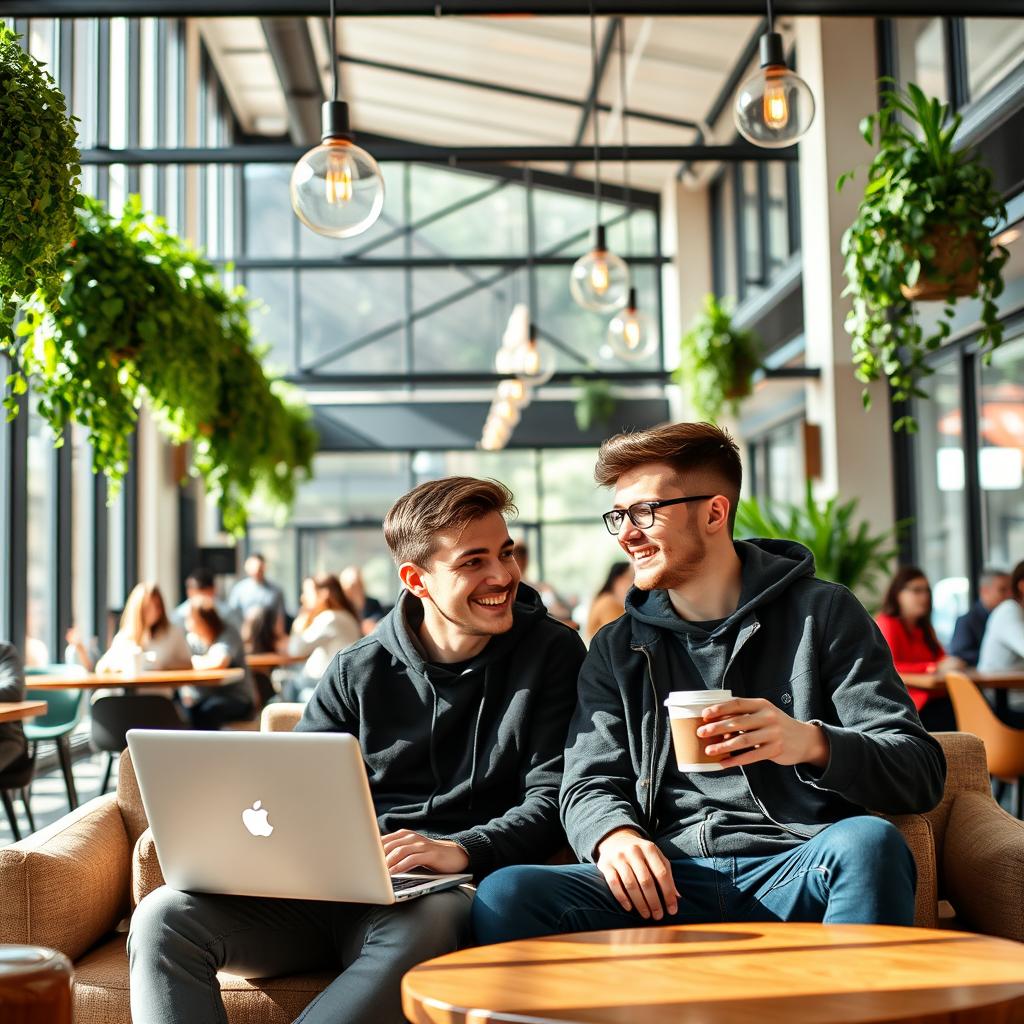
(595, 402)
(845, 551)
(716, 360)
(924, 224)
(39, 177)
(141, 318)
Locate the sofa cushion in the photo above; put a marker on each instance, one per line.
(147, 874)
(101, 991)
(129, 799)
(917, 831)
(64, 886)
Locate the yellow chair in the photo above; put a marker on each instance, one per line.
(1004, 745)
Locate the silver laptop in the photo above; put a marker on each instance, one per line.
(268, 814)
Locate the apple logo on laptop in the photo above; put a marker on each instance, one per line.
(255, 820)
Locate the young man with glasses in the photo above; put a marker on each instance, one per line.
(461, 699)
(818, 732)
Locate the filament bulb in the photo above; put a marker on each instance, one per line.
(776, 108)
(338, 179)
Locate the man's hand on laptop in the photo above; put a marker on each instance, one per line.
(752, 729)
(406, 850)
(638, 874)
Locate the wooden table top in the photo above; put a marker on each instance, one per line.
(274, 659)
(992, 680)
(777, 973)
(16, 710)
(116, 680)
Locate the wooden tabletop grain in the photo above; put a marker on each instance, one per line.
(777, 973)
(16, 710)
(115, 680)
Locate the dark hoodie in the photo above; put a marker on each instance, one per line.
(475, 757)
(804, 644)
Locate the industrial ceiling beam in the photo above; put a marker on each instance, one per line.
(278, 153)
(508, 90)
(291, 50)
(597, 77)
(429, 8)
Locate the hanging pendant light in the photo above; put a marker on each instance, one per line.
(775, 107)
(599, 281)
(336, 188)
(534, 362)
(632, 335)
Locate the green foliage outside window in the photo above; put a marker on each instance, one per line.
(845, 551)
(926, 219)
(38, 177)
(141, 318)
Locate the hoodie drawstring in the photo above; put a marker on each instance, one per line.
(433, 752)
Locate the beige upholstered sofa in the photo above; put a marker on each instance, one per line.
(72, 885)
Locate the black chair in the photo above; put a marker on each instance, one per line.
(16, 778)
(264, 688)
(113, 716)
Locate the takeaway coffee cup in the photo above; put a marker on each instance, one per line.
(685, 708)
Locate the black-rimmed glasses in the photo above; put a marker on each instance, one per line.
(641, 513)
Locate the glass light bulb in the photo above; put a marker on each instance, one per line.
(774, 107)
(516, 392)
(632, 335)
(337, 189)
(535, 363)
(599, 281)
(506, 412)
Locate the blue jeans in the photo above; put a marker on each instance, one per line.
(857, 871)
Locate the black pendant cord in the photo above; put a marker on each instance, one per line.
(595, 113)
(625, 136)
(771, 16)
(334, 57)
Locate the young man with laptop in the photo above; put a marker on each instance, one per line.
(748, 797)
(458, 706)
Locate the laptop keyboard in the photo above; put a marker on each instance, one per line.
(401, 884)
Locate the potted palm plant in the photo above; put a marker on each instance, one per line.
(844, 548)
(923, 232)
(716, 360)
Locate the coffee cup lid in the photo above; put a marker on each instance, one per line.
(681, 697)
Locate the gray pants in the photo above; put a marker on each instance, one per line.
(180, 940)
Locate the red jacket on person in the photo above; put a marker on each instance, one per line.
(910, 652)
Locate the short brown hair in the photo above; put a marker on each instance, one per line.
(700, 449)
(451, 503)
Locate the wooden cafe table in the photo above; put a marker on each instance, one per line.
(18, 710)
(777, 973)
(273, 659)
(989, 680)
(128, 681)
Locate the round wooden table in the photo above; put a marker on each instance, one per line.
(778, 973)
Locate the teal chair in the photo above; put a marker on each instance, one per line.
(64, 710)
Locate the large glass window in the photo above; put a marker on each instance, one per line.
(1001, 454)
(940, 495)
(921, 54)
(995, 48)
(39, 624)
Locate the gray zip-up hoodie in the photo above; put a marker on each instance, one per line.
(806, 645)
(475, 757)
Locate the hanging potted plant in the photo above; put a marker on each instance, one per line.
(38, 177)
(595, 403)
(716, 361)
(142, 319)
(923, 232)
